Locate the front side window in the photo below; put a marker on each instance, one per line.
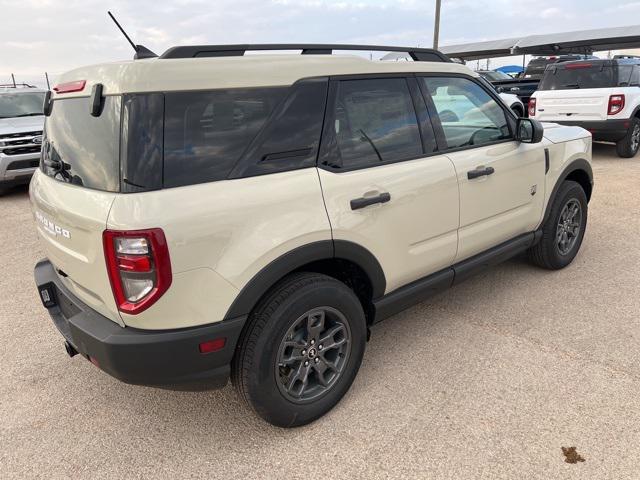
(468, 114)
(374, 121)
(207, 132)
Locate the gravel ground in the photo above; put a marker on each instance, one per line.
(488, 380)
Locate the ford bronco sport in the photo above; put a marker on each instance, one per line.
(602, 96)
(208, 214)
(21, 122)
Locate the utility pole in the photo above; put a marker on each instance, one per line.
(436, 27)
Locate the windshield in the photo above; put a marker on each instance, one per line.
(21, 104)
(585, 75)
(81, 149)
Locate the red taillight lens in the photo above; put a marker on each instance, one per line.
(532, 107)
(616, 104)
(139, 267)
(69, 87)
(212, 345)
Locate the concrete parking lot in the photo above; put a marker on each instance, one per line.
(488, 380)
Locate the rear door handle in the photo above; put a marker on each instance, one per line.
(358, 203)
(480, 172)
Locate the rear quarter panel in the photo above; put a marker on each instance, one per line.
(220, 235)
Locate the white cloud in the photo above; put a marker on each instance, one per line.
(57, 35)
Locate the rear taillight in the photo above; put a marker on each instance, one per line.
(69, 87)
(616, 104)
(139, 267)
(532, 107)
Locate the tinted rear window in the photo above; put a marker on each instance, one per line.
(207, 132)
(566, 77)
(81, 149)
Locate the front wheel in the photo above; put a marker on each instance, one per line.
(563, 231)
(301, 349)
(628, 146)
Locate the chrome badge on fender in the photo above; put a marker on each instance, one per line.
(51, 227)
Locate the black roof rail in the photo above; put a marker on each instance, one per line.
(192, 51)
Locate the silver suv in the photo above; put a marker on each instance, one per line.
(209, 214)
(21, 123)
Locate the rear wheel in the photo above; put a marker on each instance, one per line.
(301, 349)
(628, 146)
(563, 231)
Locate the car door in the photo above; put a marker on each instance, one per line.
(501, 180)
(385, 186)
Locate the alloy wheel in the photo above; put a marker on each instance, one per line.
(313, 354)
(635, 138)
(569, 225)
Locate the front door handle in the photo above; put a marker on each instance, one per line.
(358, 203)
(480, 172)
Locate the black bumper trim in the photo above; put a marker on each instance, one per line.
(160, 358)
(602, 130)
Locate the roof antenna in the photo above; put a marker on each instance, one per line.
(141, 50)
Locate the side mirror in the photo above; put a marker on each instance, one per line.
(529, 130)
(500, 89)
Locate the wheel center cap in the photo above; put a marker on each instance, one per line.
(312, 352)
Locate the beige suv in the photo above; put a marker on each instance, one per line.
(208, 214)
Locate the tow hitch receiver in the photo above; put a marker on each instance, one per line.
(48, 295)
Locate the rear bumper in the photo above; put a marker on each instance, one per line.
(166, 358)
(604, 130)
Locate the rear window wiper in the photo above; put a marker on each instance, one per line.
(571, 85)
(34, 114)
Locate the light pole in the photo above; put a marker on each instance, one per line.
(436, 28)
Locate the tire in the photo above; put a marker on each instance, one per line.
(628, 146)
(561, 239)
(271, 352)
(518, 111)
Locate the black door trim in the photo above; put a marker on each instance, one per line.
(424, 288)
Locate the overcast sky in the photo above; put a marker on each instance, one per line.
(57, 35)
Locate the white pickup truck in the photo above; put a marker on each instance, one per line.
(602, 96)
(21, 124)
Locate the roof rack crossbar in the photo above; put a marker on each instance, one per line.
(191, 51)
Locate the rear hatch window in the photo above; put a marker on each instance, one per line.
(586, 75)
(81, 149)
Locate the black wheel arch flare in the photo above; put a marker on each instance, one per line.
(297, 258)
(581, 171)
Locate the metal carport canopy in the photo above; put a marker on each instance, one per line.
(583, 41)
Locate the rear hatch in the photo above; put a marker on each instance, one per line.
(72, 194)
(579, 91)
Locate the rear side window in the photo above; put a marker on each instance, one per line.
(207, 132)
(292, 136)
(374, 121)
(585, 75)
